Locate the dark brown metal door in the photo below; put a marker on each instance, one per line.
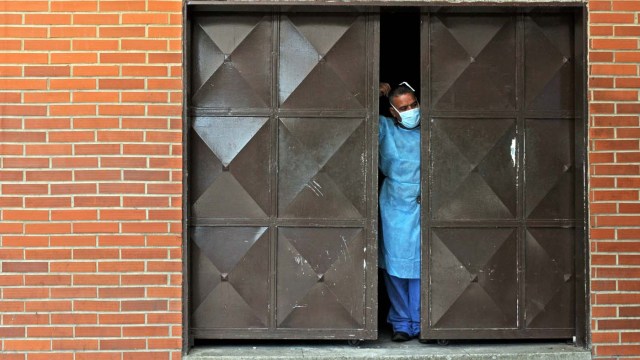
(282, 204)
(503, 231)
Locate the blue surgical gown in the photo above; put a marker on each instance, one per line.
(399, 161)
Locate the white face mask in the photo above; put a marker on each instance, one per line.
(410, 118)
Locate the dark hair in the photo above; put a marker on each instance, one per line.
(401, 90)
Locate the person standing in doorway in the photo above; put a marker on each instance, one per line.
(399, 161)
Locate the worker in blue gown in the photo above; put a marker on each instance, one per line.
(399, 161)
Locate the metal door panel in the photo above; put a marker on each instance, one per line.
(473, 62)
(320, 277)
(549, 169)
(322, 168)
(230, 177)
(321, 62)
(281, 175)
(473, 278)
(501, 230)
(232, 65)
(549, 64)
(230, 281)
(550, 278)
(475, 160)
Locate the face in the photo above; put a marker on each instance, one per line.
(403, 103)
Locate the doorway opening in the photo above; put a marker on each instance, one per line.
(399, 62)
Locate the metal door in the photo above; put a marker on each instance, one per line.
(282, 205)
(503, 231)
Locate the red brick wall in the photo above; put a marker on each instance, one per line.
(90, 174)
(614, 79)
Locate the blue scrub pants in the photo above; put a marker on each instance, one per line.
(404, 294)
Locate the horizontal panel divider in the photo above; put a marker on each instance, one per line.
(202, 112)
(279, 222)
(505, 223)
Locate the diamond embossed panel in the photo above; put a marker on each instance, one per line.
(549, 169)
(473, 61)
(320, 277)
(550, 278)
(230, 176)
(474, 278)
(322, 61)
(473, 167)
(549, 63)
(231, 61)
(281, 188)
(321, 168)
(230, 283)
(503, 233)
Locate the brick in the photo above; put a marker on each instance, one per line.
(47, 280)
(95, 123)
(95, 201)
(74, 318)
(47, 228)
(27, 345)
(120, 110)
(121, 31)
(73, 189)
(95, 227)
(73, 266)
(146, 201)
(627, 30)
(25, 215)
(61, 215)
(146, 305)
(123, 344)
(25, 267)
(75, 344)
(122, 6)
(72, 136)
(121, 58)
(144, 44)
(95, 279)
(47, 254)
(96, 254)
(78, 162)
(73, 293)
(74, 58)
(74, 6)
(48, 149)
(611, 18)
(47, 97)
(121, 319)
(47, 123)
(147, 18)
(25, 293)
(72, 31)
(12, 332)
(47, 306)
(21, 58)
(631, 82)
(121, 292)
(120, 214)
(73, 241)
(49, 175)
(95, 19)
(614, 44)
(95, 97)
(25, 319)
(124, 162)
(99, 332)
(96, 70)
(121, 266)
(142, 355)
(48, 202)
(72, 110)
(96, 305)
(628, 108)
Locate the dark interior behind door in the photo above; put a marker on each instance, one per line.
(503, 229)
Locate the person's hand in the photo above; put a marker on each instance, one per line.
(385, 88)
